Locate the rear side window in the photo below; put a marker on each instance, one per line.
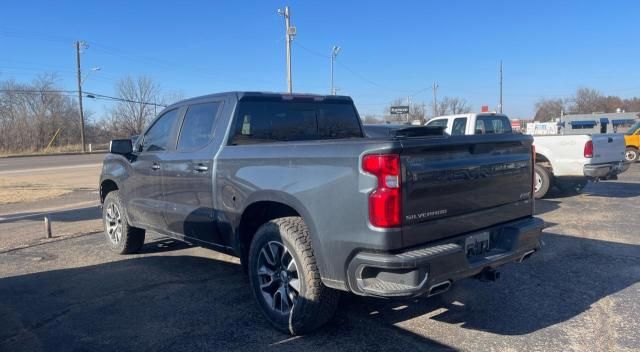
(459, 126)
(157, 137)
(197, 127)
(493, 124)
(274, 121)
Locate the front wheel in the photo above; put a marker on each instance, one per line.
(285, 278)
(631, 154)
(121, 237)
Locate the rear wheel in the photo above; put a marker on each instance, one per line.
(285, 278)
(631, 154)
(121, 237)
(542, 181)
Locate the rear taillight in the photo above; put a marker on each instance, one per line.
(385, 200)
(588, 149)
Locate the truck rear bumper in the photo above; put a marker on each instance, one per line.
(605, 170)
(431, 269)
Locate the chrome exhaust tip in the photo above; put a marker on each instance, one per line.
(439, 288)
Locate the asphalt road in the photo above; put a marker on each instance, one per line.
(10, 166)
(581, 293)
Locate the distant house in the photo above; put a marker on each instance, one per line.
(616, 122)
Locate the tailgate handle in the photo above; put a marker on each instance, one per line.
(610, 140)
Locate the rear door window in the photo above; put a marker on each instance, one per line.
(157, 137)
(459, 126)
(493, 124)
(276, 121)
(197, 127)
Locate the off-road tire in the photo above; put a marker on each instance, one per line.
(132, 238)
(315, 303)
(545, 177)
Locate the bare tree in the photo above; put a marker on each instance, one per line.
(631, 105)
(130, 116)
(32, 114)
(417, 113)
(452, 106)
(613, 103)
(548, 109)
(589, 100)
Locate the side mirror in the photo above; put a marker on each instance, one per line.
(121, 146)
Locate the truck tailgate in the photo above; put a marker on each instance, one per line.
(464, 181)
(607, 148)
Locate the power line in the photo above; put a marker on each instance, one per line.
(311, 51)
(73, 93)
(108, 97)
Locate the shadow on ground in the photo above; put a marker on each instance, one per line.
(607, 189)
(543, 206)
(613, 189)
(174, 302)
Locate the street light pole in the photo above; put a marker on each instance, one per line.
(80, 44)
(334, 52)
(290, 33)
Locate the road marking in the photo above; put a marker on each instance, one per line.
(48, 169)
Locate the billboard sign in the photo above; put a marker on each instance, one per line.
(399, 110)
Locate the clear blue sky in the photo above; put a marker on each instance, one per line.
(390, 49)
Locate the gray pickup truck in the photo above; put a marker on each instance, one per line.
(312, 206)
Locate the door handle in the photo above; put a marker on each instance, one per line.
(155, 166)
(201, 168)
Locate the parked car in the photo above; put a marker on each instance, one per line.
(566, 161)
(311, 206)
(632, 141)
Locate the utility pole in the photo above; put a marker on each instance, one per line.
(289, 34)
(435, 102)
(80, 45)
(334, 52)
(409, 112)
(500, 106)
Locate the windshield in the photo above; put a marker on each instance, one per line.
(633, 128)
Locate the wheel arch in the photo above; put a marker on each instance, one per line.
(107, 186)
(544, 161)
(261, 209)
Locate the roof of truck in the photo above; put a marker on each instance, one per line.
(267, 95)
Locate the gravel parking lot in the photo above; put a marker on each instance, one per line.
(581, 293)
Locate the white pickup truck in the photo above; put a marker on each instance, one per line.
(564, 161)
